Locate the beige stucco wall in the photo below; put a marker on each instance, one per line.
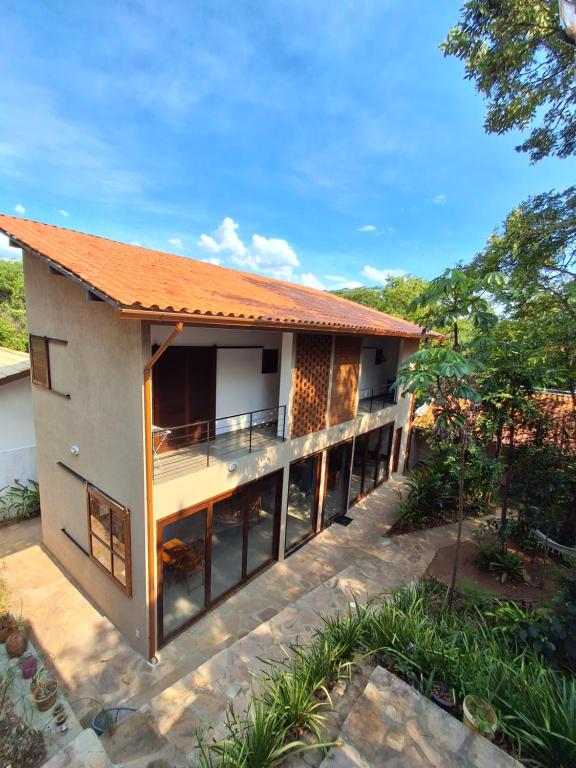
(101, 368)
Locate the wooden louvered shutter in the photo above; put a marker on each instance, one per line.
(40, 361)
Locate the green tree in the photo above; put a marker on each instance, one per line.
(444, 372)
(522, 62)
(395, 297)
(13, 330)
(535, 250)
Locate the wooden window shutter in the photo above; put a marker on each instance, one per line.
(40, 361)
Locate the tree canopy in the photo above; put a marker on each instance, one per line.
(522, 62)
(395, 297)
(13, 330)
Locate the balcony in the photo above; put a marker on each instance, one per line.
(191, 447)
(376, 398)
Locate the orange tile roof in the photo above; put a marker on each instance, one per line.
(553, 422)
(135, 278)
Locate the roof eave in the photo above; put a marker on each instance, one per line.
(16, 243)
(159, 316)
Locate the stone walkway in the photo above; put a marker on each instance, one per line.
(211, 663)
(391, 725)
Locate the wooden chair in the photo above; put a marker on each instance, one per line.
(255, 511)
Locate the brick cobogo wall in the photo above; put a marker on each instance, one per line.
(310, 386)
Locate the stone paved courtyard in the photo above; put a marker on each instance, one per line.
(211, 663)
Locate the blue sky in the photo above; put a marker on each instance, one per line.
(323, 141)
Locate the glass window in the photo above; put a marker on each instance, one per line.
(109, 524)
(384, 459)
(372, 455)
(302, 500)
(227, 544)
(260, 509)
(183, 570)
(357, 468)
(337, 481)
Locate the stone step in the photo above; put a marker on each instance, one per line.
(85, 751)
(392, 725)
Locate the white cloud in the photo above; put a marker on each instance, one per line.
(373, 230)
(270, 256)
(176, 242)
(64, 213)
(367, 228)
(19, 209)
(381, 275)
(136, 242)
(212, 260)
(311, 281)
(224, 239)
(439, 199)
(6, 252)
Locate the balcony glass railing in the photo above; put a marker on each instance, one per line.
(190, 447)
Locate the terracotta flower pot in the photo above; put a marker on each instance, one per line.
(7, 626)
(28, 667)
(45, 695)
(17, 642)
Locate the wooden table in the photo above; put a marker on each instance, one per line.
(184, 558)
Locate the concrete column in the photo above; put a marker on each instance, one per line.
(285, 389)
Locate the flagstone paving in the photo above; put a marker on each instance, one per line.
(211, 664)
(391, 725)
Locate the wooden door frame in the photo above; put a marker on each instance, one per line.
(396, 449)
(210, 604)
(307, 537)
(326, 450)
(384, 426)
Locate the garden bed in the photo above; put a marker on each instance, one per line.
(477, 651)
(540, 587)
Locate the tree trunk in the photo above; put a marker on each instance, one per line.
(460, 520)
(506, 485)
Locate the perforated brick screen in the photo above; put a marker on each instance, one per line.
(311, 377)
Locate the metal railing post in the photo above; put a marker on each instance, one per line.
(284, 423)
(208, 444)
(250, 435)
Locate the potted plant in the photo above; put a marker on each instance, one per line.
(17, 640)
(28, 665)
(7, 626)
(442, 694)
(44, 690)
(479, 716)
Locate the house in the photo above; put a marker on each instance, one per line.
(194, 423)
(17, 441)
(549, 423)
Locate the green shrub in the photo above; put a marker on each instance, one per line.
(433, 495)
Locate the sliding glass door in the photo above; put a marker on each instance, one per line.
(303, 492)
(207, 552)
(338, 459)
(182, 570)
(370, 462)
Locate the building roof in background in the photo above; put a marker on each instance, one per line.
(555, 425)
(134, 278)
(13, 365)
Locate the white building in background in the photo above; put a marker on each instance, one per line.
(17, 440)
